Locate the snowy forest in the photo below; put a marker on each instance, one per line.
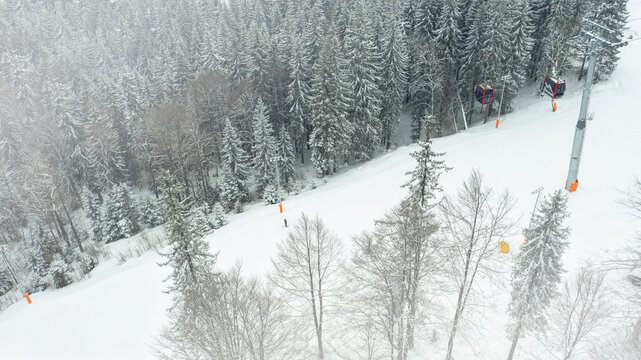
(120, 116)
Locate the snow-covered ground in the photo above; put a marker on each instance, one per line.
(117, 312)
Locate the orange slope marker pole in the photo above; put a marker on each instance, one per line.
(280, 207)
(497, 123)
(28, 298)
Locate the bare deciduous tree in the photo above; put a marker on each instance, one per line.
(474, 223)
(235, 319)
(575, 316)
(393, 263)
(624, 344)
(306, 269)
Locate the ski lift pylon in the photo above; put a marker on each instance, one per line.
(555, 88)
(484, 94)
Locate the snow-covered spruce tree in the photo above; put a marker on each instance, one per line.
(364, 79)
(193, 284)
(475, 38)
(40, 257)
(423, 185)
(424, 77)
(189, 257)
(538, 267)
(495, 49)
(150, 212)
(119, 215)
(331, 132)
(286, 157)
(199, 220)
(106, 160)
(539, 13)
(447, 46)
(299, 96)
(258, 55)
(60, 272)
(394, 79)
(218, 216)
(612, 14)
(6, 283)
(234, 167)
(264, 148)
(426, 89)
(91, 206)
(519, 33)
(556, 53)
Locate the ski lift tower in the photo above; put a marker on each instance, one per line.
(598, 35)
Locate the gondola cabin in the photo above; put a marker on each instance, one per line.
(553, 87)
(484, 94)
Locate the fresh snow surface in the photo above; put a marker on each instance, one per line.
(117, 312)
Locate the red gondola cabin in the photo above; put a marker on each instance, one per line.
(484, 94)
(553, 87)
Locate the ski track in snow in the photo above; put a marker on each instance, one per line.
(118, 311)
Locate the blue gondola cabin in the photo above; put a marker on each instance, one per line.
(553, 87)
(484, 94)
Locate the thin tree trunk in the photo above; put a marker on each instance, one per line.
(74, 189)
(321, 353)
(515, 340)
(459, 302)
(73, 229)
(61, 228)
(153, 182)
(582, 66)
(55, 239)
(450, 342)
(319, 334)
(487, 112)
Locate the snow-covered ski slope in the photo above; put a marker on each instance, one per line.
(117, 312)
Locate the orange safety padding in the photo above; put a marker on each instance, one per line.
(574, 186)
(280, 206)
(28, 298)
(497, 123)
